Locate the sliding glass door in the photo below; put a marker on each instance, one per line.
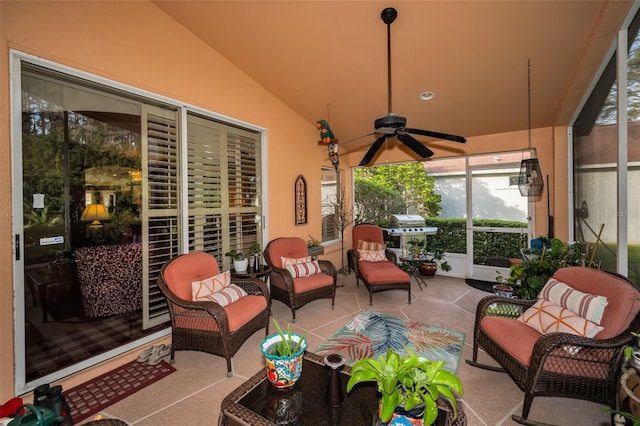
(109, 186)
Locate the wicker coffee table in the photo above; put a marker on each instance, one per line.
(257, 402)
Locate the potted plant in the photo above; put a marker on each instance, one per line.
(254, 250)
(283, 353)
(240, 262)
(432, 257)
(406, 383)
(528, 278)
(314, 247)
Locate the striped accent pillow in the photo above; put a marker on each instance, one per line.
(201, 290)
(306, 269)
(588, 306)
(370, 246)
(286, 261)
(227, 295)
(372, 255)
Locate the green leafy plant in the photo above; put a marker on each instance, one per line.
(529, 277)
(408, 381)
(431, 254)
(235, 255)
(287, 345)
(312, 242)
(255, 248)
(629, 416)
(629, 350)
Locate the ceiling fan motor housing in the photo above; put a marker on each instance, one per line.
(390, 121)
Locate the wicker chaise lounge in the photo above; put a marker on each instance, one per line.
(378, 271)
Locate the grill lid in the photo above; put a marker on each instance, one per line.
(406, 221)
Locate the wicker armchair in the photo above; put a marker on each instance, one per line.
(205, 325)
(560, 364)
(297, 292)
(377, 276)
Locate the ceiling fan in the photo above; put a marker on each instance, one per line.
(392, 125)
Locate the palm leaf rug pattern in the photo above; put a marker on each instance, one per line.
(371, 333)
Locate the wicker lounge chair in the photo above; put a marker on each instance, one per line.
(297, 292)
(560, 364)
(206, 325)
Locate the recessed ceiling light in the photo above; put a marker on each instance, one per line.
(427, 96)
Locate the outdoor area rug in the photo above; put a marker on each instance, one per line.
(93, 396)
(371, 333)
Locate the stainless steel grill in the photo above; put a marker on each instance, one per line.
(408, 225)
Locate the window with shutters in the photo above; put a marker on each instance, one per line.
(330, 195)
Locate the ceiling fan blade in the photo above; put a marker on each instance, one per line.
(415, 146)
(438, 135)
(372, 151)
(358, 138)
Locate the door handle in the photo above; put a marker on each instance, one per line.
(17, 239)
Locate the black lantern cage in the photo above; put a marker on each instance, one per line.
(530, 180)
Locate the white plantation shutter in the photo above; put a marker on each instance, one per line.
(223, 190)
(222, 200)
(205, 182)
(161, 201)
(243, 167)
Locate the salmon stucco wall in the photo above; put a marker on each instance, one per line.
(136, 44)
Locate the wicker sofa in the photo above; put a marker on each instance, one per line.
(110, 278)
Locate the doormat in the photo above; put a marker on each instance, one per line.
(93, 396)
(371, 333)
(481, 285)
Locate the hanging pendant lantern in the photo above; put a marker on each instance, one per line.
(530, 180)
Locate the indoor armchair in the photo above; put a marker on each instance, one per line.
(219, 322)
(297, 279)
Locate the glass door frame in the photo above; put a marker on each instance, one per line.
(484, 272)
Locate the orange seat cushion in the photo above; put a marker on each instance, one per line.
(382, 273)
(312, 282)
(239, 313)
(514, 336)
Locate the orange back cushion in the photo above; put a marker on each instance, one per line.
(622, 296)
(289, 247)
(366, 232)
(186, 269)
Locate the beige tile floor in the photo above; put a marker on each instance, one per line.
(192, 395)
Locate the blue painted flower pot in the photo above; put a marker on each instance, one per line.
(283, 371)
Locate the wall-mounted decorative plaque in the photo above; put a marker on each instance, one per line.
(301, 200)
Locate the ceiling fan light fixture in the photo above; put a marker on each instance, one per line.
(427, 96)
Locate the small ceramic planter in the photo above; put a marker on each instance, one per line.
(283, 371)
(241, 265)
(503, 290)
